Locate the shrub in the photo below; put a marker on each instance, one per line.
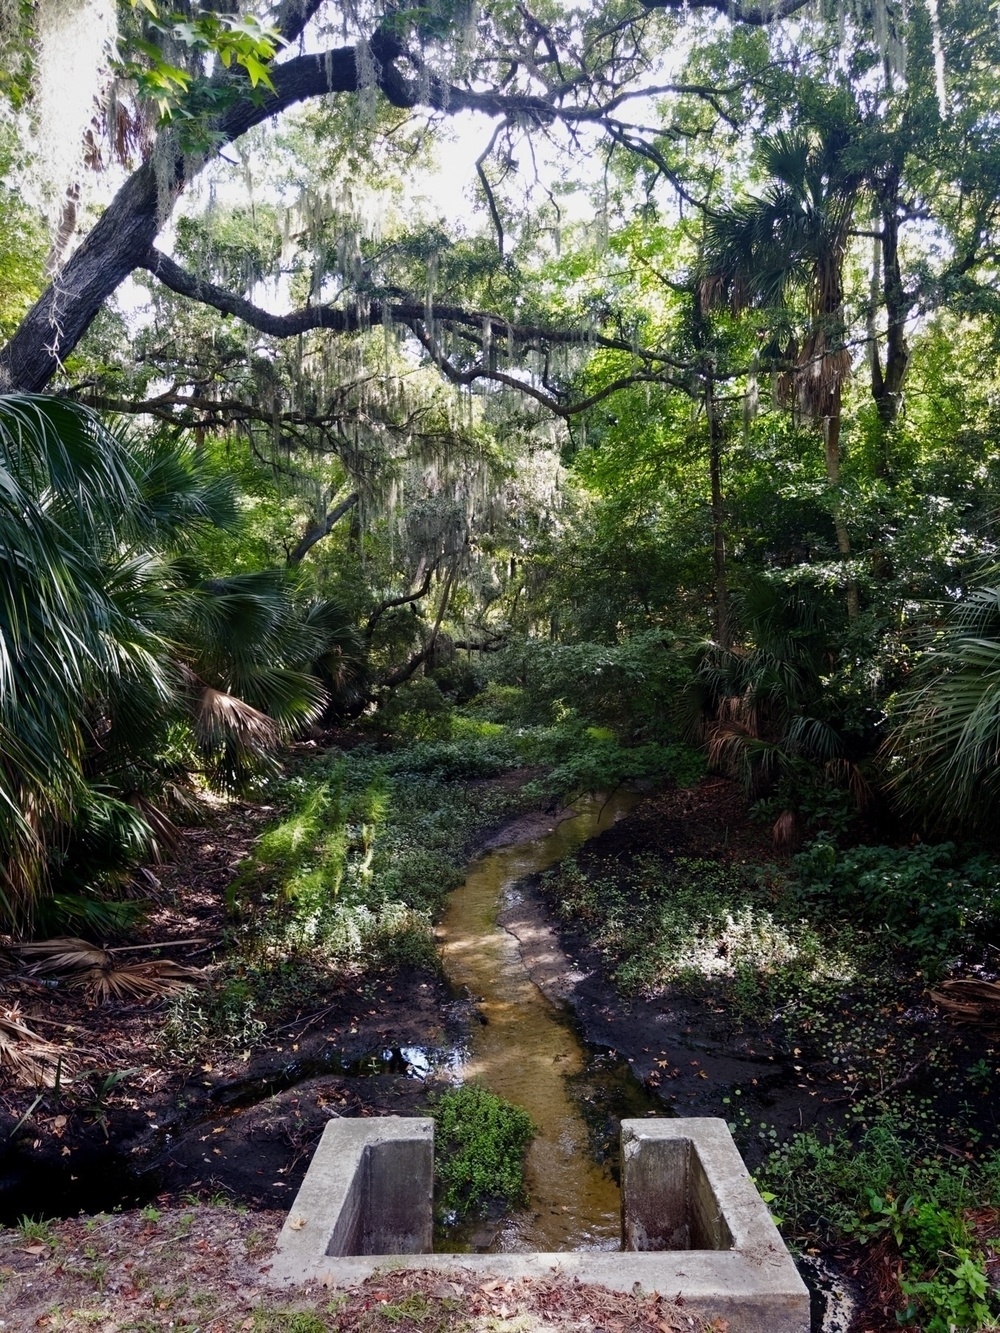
(927, 897)
(630, 686)
(481, 1140)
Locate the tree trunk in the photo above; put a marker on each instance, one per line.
(831, 443)
(123, 235)
(897, 307)
(716, 443)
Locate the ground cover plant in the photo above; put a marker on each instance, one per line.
(480, 1142)
(891, 1185)
(347, 882)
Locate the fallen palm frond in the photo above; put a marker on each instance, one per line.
(28, 1057)
(970, 1001)
(96, 972)
(135, 981)
(64, 954)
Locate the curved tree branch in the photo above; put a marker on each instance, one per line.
(121, 239)
(318, 531)
(756, 16)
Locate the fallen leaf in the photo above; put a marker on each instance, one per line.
(297, 1223)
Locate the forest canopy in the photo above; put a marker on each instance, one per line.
(639, 355)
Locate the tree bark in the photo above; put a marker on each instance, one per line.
(831, 449)
(318, 531)
(897, 307)
(716, 443)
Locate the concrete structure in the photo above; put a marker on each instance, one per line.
(693, 1223)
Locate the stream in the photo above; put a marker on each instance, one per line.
(526, 1050)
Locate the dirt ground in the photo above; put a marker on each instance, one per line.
(205, 1269)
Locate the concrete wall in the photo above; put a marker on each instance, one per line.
(693, 1223)
(369, 1190)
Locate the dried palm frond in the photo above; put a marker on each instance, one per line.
(64, 954)
(30, 1058)
(221, 716)
(785, 833)
(970, 1001)
(135, 981)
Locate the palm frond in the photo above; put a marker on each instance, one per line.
(64, 955)
(29, 1058)
(135, 981)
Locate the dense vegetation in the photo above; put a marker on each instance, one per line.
(672, 449)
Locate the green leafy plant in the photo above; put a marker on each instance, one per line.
(887, 1182)
(927, 897)
(480, 1141)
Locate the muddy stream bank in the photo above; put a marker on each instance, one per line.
(245, 1131)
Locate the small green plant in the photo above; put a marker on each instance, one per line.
(480, 1145)
(37, 1231)
(288, 1321)
(887, 1182)
(926, 898)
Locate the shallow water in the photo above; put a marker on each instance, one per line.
(526, 1049)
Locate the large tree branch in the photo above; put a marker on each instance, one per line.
(318, 531)
(293, 16)
(122, 237)
(756, 16)
(413, 314)
(402, 673)
(391, 602)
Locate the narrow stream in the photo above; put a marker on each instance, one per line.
(526, 1050)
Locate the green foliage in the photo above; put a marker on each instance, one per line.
(947, 725)
(416, 711)
(480, 1142)
(125, 665)
(888, 1183)
(628, 686)
(346, 882)
(698, 923)
(473, 757)
(178, 90)
(927, 898)
(598, 763)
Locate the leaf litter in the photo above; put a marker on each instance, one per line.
(206, 1268)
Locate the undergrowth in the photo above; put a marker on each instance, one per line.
(892, 1183)
(347, 881)
(692, 923)
(480, 1142)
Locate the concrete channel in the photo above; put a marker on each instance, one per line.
(693, 1223)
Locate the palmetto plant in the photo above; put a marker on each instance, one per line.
(766, 715)
(791, 238)
(123, 666)
(945, 746)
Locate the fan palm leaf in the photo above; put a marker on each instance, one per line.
(945, 746)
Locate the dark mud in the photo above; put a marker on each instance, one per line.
(682, 1049)
(243, 1130)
